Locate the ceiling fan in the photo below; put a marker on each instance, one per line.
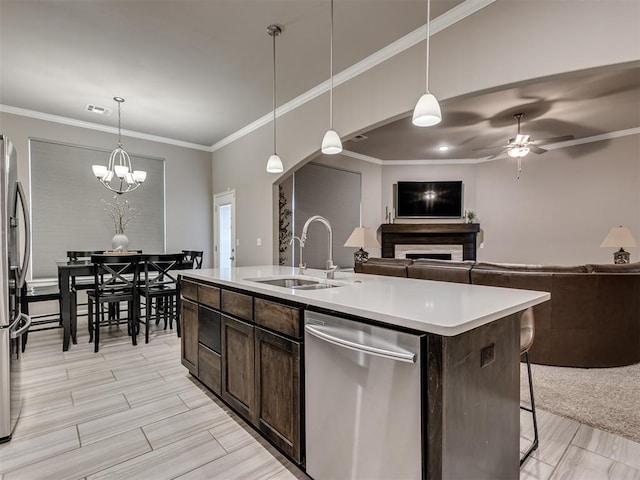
(519, 146)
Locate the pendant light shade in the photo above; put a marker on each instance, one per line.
(274, 164)
(331, 143)
(427, 112)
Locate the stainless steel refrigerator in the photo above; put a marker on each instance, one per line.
(14, 324)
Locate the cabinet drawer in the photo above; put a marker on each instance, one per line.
(189, 290)
(237, 304)
(280, 318)
(209, 296)
(209, 368)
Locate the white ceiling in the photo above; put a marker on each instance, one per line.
(198, 71)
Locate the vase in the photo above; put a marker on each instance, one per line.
(120, 242)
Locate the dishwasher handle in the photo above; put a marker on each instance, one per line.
(330, 334)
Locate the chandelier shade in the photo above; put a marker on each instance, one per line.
(119, 176)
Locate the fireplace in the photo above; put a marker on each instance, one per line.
(399, 240)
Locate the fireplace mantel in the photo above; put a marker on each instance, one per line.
(464, 234)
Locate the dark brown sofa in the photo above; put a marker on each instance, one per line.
(592, 319)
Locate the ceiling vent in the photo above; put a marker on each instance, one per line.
(359, 138)
(99, 110)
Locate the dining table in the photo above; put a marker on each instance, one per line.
(67, 270)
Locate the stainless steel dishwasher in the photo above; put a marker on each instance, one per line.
(362, 400)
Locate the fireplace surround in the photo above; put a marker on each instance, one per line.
(464, 234)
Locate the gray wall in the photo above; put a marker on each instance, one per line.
(187, 174)
(475, 54)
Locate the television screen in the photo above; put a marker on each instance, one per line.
(429, 199)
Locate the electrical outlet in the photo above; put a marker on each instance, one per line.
(487, 355)
(259, 242)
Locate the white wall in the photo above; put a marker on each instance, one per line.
(483, 51)
(187, 176)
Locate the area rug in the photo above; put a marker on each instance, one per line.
(603, 398)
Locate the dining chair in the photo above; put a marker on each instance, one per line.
(193, 257)
(80, 283)
(115, 281)
(158, 288)
(31, 293)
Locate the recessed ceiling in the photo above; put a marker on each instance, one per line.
(197, 71)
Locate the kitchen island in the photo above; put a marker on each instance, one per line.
(243, 336)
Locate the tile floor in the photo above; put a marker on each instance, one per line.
(134, 412)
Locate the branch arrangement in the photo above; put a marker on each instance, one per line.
(121, 212)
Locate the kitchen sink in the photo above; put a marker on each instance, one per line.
(295, 283)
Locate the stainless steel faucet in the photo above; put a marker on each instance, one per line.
(301, 266)
(331, 268)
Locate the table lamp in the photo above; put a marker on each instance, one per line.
(620, 237)
(361, 237)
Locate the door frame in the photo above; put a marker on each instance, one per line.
(227, 197)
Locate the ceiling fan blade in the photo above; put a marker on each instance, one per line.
(536, 149)
(488, 148)
(547, 141)
(496, 155)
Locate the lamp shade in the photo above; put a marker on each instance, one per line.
(427, 111)
(619, 237)
(274, 164)
(362, 237)
(331, 143)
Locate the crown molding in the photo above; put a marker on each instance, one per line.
(472, 161)
(23, 112)
(456, 14)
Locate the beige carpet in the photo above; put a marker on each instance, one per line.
(604, 398)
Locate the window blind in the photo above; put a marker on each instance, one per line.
(68, 210)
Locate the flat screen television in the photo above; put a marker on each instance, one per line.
(429, 200)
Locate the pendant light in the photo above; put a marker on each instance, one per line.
(119, 166)
(274, 164)
(331, 143)
(427, 111)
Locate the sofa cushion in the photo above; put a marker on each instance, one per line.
(517, 267)
(393, 267)
(614, 268)
(440, 270)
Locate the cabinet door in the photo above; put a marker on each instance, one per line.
(238, 367)
(278, 393)
(189, 319)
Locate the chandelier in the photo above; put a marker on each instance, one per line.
(119, 176)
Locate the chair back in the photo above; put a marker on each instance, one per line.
(75, 255)
(115, 274)
(527, 330)
(159, 271)
(193, 258)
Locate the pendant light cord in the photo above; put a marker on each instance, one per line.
(274, 34)
(428, 35)
(331, 72)
(119, 130)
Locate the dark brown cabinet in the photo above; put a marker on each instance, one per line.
(209, 368)
(238, 370)
(189, 319)
(277, 386)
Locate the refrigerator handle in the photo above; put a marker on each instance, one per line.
(27, 235)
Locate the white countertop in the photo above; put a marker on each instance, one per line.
(442, 308)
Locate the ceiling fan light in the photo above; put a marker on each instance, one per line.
(274, 164)
(518, 151)
(331, 143)
(427, 112)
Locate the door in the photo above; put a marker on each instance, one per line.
(224, 224)
(189, 319)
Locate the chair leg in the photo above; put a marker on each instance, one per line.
(534, 445)
(96, 331)
(90, 320)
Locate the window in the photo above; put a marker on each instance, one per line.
(68, 210)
